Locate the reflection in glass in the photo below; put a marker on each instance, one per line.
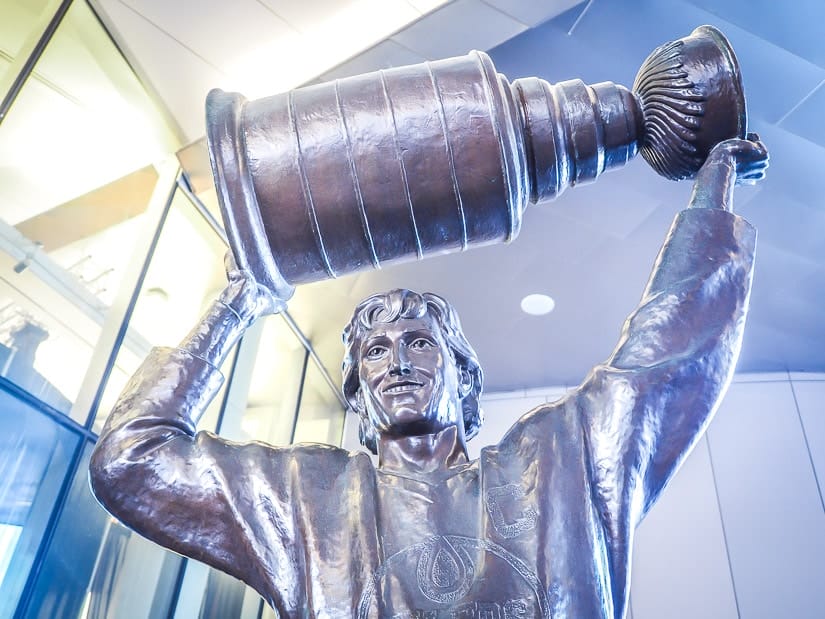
(75, 180)
(59, 298)
(82, 121)
(132, 578)
(321, 416)
(97, 569)
(21, 24)
(185, 275)
(60, 589)
(35, 454)
(270, 387)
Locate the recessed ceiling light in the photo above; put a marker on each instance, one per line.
(537, 304)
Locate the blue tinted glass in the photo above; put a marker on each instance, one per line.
(97, 569)
(60, 589)
(35, 454)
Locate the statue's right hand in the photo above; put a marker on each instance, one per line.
(245, 296)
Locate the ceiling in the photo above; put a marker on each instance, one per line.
(591, 249)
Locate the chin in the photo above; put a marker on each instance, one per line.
(405, 415)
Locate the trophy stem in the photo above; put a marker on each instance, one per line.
(574, 132)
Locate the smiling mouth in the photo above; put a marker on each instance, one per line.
(403, 387)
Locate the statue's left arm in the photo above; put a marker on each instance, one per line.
(647, 405)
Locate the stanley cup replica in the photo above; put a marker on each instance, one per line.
(438, 157)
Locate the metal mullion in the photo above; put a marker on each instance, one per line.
(52, 413)
(200, 207)
(27, 66)
(117, 318)
(300, 397)
(173, 603)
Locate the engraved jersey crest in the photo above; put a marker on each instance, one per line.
(509, 511)
(449, 576)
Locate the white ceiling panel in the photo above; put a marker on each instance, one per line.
(306, 15)
(179, 77)
(385, 55)
(796, 26)
(216, 30)
(533, 12)
(457, 28)
(310, 15)
(806, 119)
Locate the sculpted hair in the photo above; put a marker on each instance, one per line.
(389, 307)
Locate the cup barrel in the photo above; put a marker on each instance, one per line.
(692, 98)
(374, 169)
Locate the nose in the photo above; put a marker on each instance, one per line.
(399, 364)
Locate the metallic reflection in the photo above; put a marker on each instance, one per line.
(541, 525)
(437, 157)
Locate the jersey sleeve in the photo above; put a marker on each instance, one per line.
(647, 405)
(219, 502)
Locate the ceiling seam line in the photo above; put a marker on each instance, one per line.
(506, 14)
(580, 17)
(800, 103)
(282, 18)
(174, 38)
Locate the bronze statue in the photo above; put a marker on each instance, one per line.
(541, 525)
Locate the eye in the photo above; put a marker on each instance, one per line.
(375, 352)
(421, 343)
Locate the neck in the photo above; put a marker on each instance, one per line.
(428, 453)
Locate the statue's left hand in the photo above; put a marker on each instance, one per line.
(747, 158)
(733, 162)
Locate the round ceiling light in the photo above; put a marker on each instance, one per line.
(537, 304)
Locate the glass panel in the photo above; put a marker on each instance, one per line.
(321, 416)
(207, 593)
(22, 23)
(51, 310)
(132, 578)
(82, 121)
(96, 569)
(75, 181)
(268, 391)
(186, 274)
(35, 454)
(224, 597)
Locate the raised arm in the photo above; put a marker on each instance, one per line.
(152, 470)
(644, 409)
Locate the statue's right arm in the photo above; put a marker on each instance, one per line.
(154, 472)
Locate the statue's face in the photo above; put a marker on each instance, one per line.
(408, 378)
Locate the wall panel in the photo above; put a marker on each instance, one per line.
(680, 565)
(770, 506)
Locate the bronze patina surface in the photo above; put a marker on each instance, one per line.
(541, 525)
(437, 157)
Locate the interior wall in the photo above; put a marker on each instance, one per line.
(740, 531)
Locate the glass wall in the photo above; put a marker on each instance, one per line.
(35, 455)
(20, 27)
(76, 150)
(105, 253)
